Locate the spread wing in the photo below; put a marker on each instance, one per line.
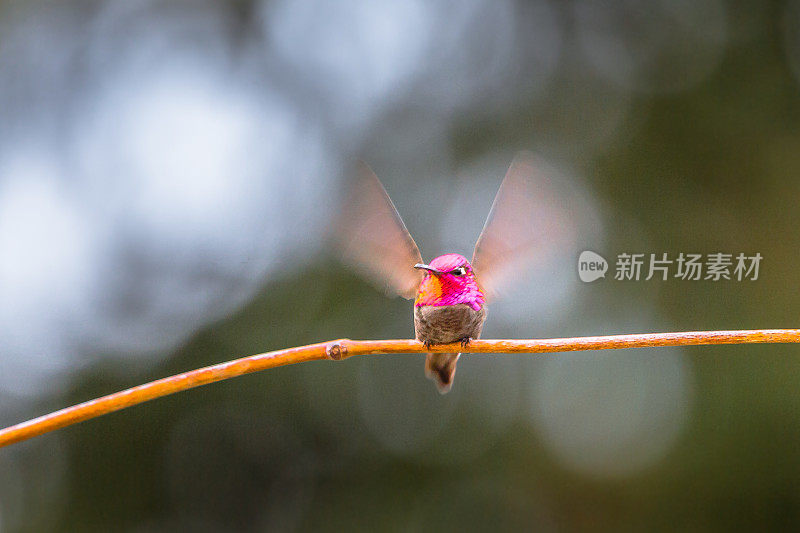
(524, 223)
(374, 240)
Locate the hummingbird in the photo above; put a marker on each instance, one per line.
(450, 292)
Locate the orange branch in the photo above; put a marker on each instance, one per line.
(344, 348)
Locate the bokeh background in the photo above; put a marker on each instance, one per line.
(169, 172)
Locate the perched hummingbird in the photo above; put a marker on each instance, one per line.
(450, 292)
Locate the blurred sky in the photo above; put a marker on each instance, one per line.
(168, 175)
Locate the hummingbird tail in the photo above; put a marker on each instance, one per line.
(441, 368)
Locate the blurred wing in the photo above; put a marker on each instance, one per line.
(524, 221)
(374, 240)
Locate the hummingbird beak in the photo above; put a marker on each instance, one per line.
(428, 268)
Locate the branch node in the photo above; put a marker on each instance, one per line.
(336, 350)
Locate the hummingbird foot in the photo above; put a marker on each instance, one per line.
(427, 344)
(465, 341)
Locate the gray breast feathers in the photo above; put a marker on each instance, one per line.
(443, 324)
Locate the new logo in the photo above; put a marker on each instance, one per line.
(591, 266)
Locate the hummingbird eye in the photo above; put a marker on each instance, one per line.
(460, 271)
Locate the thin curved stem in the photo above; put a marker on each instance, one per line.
(344, 348)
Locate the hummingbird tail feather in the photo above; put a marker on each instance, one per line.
(441, 368)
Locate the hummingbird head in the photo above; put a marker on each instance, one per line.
(449, 280)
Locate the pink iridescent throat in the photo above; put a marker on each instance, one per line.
(447, 288)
